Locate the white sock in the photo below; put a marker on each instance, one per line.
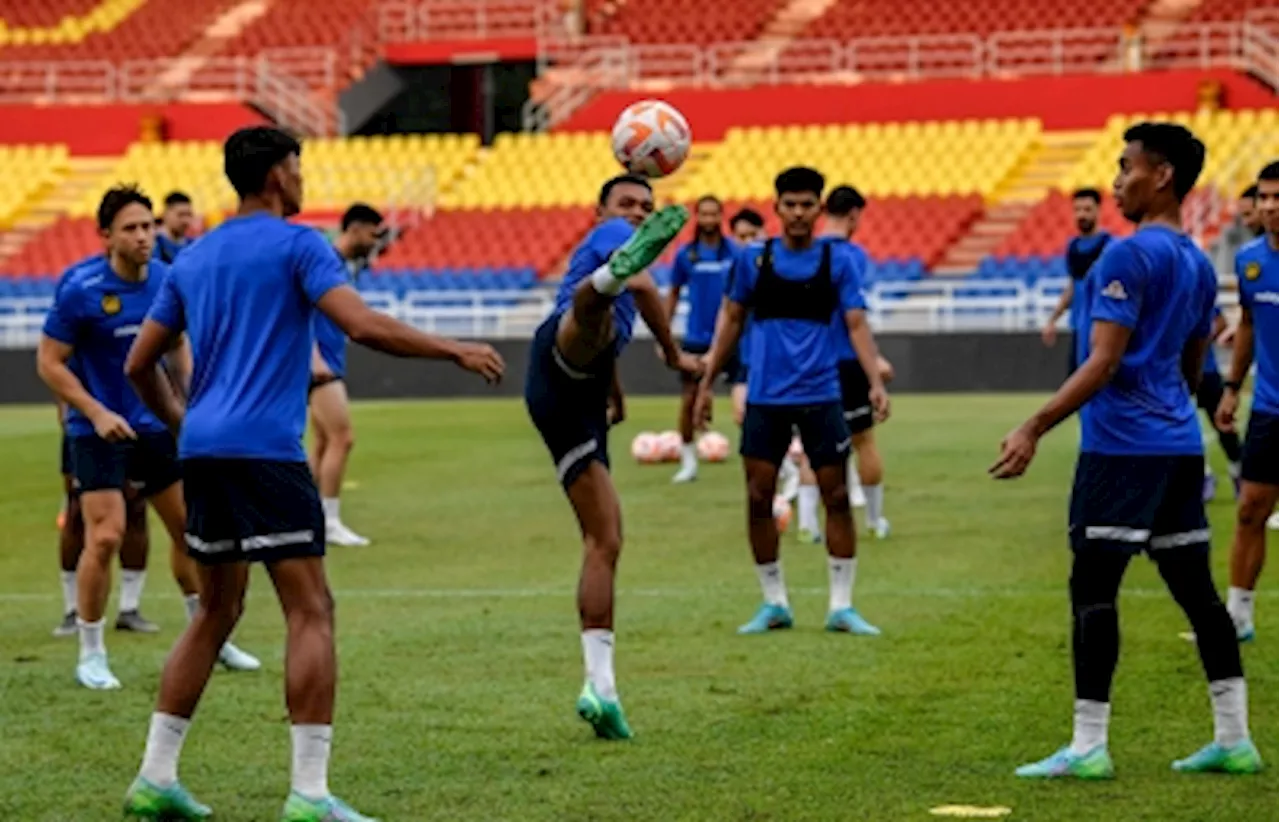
(311, 744)
(69, 592)
(1240, 605)
(332, 508)
(131, 583)
(602, 280)
(91, 641)
(855, 482)
(875, 503)
(688, 455)
(164, 745)
(192, 601)
(1233, 470)
(1230, 711)
(597, 656)
(772, 583)
(807, 504)
(841, 572)
(1091, 726)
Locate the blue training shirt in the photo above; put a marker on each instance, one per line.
(245, 294)
(793, 362)
(1082, 255)
(98, 314)
(1161, 286)
(704, 271)
(839, 330)
(166, 250)
(594, 251)
(332, 340)
(1256, 268)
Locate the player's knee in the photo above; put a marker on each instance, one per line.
(835, 498)
(759, 499)
(604, 546)
(1253, 511)
(343, 439)
(104, 539)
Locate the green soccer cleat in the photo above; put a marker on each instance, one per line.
(648, 241)
(605, 716)
(172, 804)
(297, 808)
(1239, 759)
(1096, 764)
(806, 537)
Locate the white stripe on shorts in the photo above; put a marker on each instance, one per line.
(277, 540)
(1197, 537)
(574, 455)
(1117, 533)
(217, 547)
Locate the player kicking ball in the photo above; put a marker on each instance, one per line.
(793, 286)
(1150, 301)
(573, 396)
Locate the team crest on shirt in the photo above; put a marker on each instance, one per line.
(110, 304)
(1252, 271)
(1115, 290)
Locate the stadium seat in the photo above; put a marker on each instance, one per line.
(27, 172)
(682, 21)
(114, 30)
(847, 19)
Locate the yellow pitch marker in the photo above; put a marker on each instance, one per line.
(971, 811)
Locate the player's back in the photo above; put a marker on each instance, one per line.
(1160, 285)
(248, 317)
(839, 329)
(593, 252)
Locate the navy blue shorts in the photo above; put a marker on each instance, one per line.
(1261, 452)
(568, 407)
(147, 465)
(246, 510)
(66, 465)
(767, 432)
(855, 397)
(1138, 503)
(731, 366)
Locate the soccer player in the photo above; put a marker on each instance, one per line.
(175, 223)
(245, 295)
(116, 444)
(747, 226)
(792, 286)
(362, 230)
(702, 265)
(1082, 252)
(1137, 486)
(573, 396)
(1208, 397)
(1257, 335)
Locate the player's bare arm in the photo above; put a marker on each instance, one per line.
(51, 364)
(649, 304)
(1107, 344)
(1049, 334)
(729, 325)
(865, 346)
(1241, 359)
(142, 368)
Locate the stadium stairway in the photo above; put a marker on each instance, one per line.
(787, 24)
(78, 178)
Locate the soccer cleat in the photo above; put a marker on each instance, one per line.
(297, 808)
(1245, 633)
(880, 530)
(234, 659)
(68, 626)
(93, 673)
(1208, 487)
(148, 801)
(135, 622)
(604, 715)
(335, 533)
(1242, 758)
(1094, 765)
(687, 473)
(768, 618)
(648, 241)
(807, 537)
(849, 621)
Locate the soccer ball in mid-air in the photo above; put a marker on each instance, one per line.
(651, 138)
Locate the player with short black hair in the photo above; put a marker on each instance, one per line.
(702, 264)
(174, 224)
(116, 446)
(1137, 485)
(245, 296)
(362, 231)
(792, 286)
(1083, 251)
(1257, 337)
(573, 396)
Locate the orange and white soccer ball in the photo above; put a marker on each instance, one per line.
(713, 447)
(782, 513)
(669, 443)
(651, 138)
(644, 448)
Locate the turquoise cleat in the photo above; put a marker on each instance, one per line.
(768, 618)
(297, 808)
(1245, 633)
(172, 804)
(849, 621)
(1242, 758)
(1094, 765)
(604, 715)
(93, 673)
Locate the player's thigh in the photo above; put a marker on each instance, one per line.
(1260, 456)
(1115, 500)
(595, 503)
(223, 586)
(761, 476)
(331, 409)
(738, 397)
(301, 585)
(766, 433)
(1180, 522)
(104, 516)
(825, 435)
(864, 442)
(171, 507)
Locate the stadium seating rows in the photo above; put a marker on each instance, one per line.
(299, 23)
(1048, 226)
(870, 18)
(685, 21)
(114, 30)
(24, 172)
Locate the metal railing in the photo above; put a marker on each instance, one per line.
(54, 82)
(400, 21)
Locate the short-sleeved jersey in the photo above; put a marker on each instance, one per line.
(704, 271)
(793, 361)
(166, 250)
(98, 314)
(330, 339)
(839, 329)
(245, 295)
(1082, 253)
(1256, 268)
(1159, 285)
(595, 250)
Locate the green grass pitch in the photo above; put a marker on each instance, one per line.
(460, 659)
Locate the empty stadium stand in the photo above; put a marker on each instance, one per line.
(682, 21)
(110, 30)
(869, 18)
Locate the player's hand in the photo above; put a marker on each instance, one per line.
(885, 368)
(1016, 452)
(482, 359)
(1224, 418)
(1049, 334)
(615, 410)
(879, 402)
(702, 404)
(112, 427)
(689, 364)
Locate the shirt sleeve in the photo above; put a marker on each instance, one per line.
(63, 320)
(317, 266)
(680, 268)
(1121, 278)
(1242, 282)
(167, 308)
(850, 271)
(742, 275)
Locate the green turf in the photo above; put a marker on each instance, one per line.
(461, 661)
